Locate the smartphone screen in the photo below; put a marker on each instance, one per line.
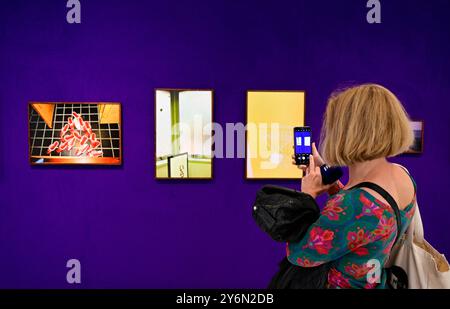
(302, 145)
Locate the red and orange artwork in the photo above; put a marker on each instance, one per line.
(77, 133)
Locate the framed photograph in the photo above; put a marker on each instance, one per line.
(271, 118)
(418, 130)
(75, 133)
(183, 133)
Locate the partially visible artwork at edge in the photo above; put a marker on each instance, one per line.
(75, 133)
(418, 131)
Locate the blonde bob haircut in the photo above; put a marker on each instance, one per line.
(363, 123)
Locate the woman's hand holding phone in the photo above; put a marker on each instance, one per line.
(312, 181)
(317, 159)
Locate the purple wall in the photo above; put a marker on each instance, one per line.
(131, 231)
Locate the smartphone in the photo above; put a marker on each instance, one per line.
(302, 145)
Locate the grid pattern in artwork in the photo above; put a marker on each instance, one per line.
(41, 136)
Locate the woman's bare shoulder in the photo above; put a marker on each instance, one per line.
(399, 184)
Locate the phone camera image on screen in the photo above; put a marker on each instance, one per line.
(302, 145)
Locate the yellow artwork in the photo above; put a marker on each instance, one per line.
(271, 118)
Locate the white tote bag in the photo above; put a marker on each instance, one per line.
(425, 266)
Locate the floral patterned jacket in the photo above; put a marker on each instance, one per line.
(355, 229)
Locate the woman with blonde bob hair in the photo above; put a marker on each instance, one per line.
(362, 127)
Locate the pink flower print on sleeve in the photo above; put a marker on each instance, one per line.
(369, 208)
(356, 240)
(333, 209)
(307, 263)
(357, 271)
(320, 240)
(337, 280)
(385, 227)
